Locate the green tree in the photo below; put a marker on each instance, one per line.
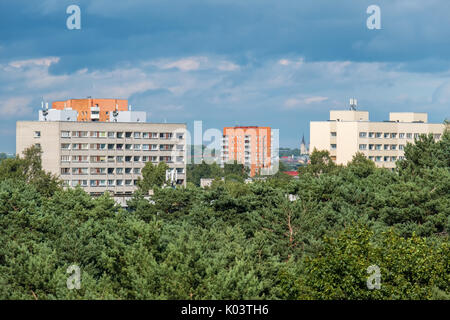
(321, 163)
(152, 176)
(29, 169)
(410, 268)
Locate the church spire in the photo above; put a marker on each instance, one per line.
(303, 146)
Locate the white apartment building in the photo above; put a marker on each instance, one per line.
(105, 156)
(350, 131)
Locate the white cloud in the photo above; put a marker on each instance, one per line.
(188, 64)
(16, 106)
(293, 103)
(36, 62)
(227, 66)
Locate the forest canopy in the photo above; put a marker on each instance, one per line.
(235, 240)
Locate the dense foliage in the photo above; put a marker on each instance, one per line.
(230, 171)
(236, 240)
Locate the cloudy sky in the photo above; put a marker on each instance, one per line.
(280, 63)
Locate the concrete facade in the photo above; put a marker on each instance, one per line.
(251, 146)
(104, 156)
(93, 109)
(348, 132)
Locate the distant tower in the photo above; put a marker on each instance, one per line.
(353, 104)
(303, 147)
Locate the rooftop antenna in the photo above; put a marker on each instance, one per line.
(115, 113)
(353, 104)
(44, 110)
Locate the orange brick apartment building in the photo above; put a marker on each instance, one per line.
(92, 109)
(249, 145)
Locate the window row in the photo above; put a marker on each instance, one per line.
(382, 147)
(121, 135)
(100, 159)
(101, 171)
(106, 183)
(385, 158)
(390, 135)
(393, 135)
(121, 146)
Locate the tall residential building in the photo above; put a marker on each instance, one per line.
(251, 146)
(105, 156)
(93, 109)
(350, 131)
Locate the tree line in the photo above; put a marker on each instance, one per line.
(234, 240)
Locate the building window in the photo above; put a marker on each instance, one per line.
(145, 135)
(128, 146)
(378, 159)
(409, 135)
(137, 147)
(137, 135)
(65, 134)
(65, 170)
(416, 135)
(65, 146)
(386, 159)
(333, 134)
(136, 171)
(379, 134)
(371, 146)
(333, 146)
(180, 170)
(401, 135)
(401, 147)
(128, 159)
(362, 146)
(378, 147)
(136, 158)
(393, 159)
(393, 135)
(111, 146)
(119, 182)
(79, 171)
(119, 135)
(363, 134)
(127, 134)
(386, 135)
(111, 135)
(145, 147)
(65, 158)
(128, 182)
(437, 136)
(37, 134)
(119, 159)
(386, 147)
(165, 135)
(393, 147)
(127, 170)
(154, 135)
